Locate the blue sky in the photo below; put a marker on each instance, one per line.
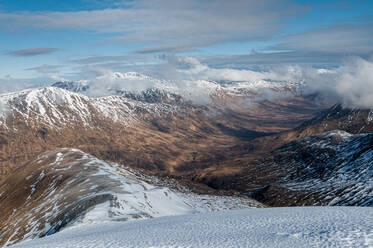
(73, 39)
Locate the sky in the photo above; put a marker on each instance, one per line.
(44, 40)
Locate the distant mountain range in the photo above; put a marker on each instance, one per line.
(130, 82)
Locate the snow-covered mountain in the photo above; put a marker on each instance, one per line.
(67, 187)
(56, 107)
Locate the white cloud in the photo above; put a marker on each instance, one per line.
(354, 83)
(57, 78)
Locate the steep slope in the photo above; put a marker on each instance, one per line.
(332, 168)
(67, 187)
(351, 120)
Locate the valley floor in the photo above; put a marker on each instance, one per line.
(261, 227)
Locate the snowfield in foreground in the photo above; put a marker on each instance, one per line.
(268, 227)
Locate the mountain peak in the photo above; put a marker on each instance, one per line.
(125, 75)
(74, 86)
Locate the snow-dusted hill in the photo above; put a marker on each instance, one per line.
(268, 227)
(66, 187)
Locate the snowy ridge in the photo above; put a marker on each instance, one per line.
(70, 188)
(57, 107)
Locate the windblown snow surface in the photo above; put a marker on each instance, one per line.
(267, 227)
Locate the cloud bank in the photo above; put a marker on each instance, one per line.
(350, 84)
